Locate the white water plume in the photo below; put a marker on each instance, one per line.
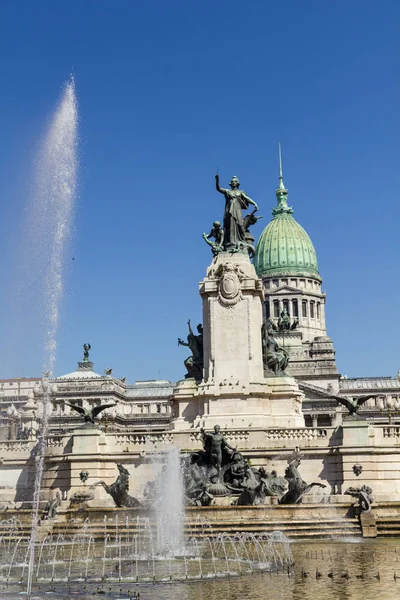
(169, 507)
(51, 214)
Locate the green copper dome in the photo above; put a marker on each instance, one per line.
(284, 248)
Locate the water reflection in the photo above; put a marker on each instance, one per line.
(359, 570)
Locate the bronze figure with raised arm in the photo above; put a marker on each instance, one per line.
(235, 201)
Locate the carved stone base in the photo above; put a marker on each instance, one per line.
(368, 525)
(85, 365)
(272, 402)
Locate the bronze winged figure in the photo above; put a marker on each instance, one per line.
(353, 405)
(89, 414)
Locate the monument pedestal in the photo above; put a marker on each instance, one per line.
(273, 402)
(234, 392)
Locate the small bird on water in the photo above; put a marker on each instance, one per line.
(304, 573)
(346, 575)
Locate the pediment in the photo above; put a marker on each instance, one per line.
(284, 289)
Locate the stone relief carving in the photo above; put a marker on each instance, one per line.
(229, 288)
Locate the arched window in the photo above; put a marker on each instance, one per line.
(304, 308)
(295, 308)
(312, 309)
(318, 310)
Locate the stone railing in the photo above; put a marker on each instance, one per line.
(309, 433)
(54, 441)
(138, 439)
(232, 435)
(16, 446)
(391, 432)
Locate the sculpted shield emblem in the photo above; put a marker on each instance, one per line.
(229, 288)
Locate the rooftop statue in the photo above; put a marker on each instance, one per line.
(284, 322)
(218, 234)
(194, 363)
(86, 348)
(353, 405)
(234, 227)
(89, 414)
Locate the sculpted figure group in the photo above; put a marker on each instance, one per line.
(234, 236)
(220, 470)
(194, 362)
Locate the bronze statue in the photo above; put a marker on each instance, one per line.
(238, 470)
(363, 495)
(89, 414)
(284, 323)
(119, 489)
(297, 487)
(248, 221)
(86, 348)
(51, 507)
(213, 444)
(275, 357)
(353, 405)
(235, 201)
(218, 234)
(194, 363)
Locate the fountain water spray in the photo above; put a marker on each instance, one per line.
(53, 207)
(169, 507)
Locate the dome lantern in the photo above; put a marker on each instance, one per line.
(284, 248)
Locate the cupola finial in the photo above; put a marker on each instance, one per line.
(281, 184)
(281, 192)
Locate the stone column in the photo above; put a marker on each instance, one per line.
(232, 319)
(234, 392)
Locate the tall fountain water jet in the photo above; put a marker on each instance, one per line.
(169, 507)
(51, 213)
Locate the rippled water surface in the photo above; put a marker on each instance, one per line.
(359, 570)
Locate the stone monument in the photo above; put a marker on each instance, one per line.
(233, 390)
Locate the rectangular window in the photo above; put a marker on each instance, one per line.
(312, 313)
(276, 309)
(286, 305)
(275, 282)
(295, 308)
(318, 311)
(267, 310)
(304, 308)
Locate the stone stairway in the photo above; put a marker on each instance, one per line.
(388, 526)
(302, 529)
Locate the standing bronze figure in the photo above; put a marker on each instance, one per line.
(234, 228)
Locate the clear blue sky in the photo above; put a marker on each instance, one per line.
(168, 91)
